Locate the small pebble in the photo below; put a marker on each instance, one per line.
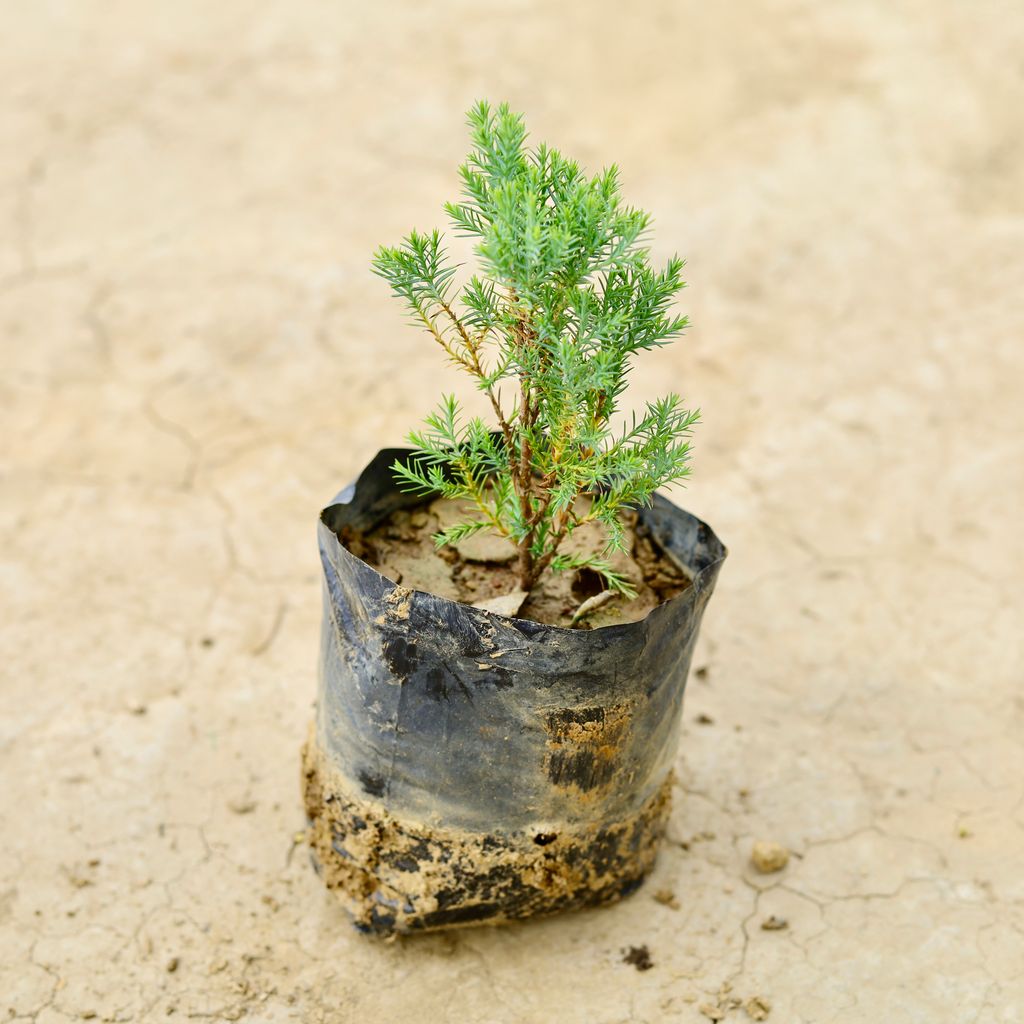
(419, 520)
(774, 924)
(768, 857)
(667, 898)
(757, 1008)
(172, 964)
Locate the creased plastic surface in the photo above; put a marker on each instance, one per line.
(451, 715)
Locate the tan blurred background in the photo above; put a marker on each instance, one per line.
(196, 357)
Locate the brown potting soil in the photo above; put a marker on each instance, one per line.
(482, 567)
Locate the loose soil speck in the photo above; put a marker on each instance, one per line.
(667, 898)
(639, 957)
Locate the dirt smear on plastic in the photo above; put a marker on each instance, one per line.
(397, 876)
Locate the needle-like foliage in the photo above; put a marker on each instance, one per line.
(564, 299)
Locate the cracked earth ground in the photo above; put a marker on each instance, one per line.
(195, 358)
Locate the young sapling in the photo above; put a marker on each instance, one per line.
(564, 298)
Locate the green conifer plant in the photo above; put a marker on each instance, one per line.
(564, 298)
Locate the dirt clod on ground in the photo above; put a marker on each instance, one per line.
(667, 898)
(712, 1011)
(768, 857)
(639, 957)
(757, 1008)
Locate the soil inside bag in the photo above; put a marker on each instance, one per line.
(482, 567)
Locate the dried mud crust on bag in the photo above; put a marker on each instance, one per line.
(396, 876)
(468, 767)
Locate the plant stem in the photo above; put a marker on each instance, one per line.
(522, 480)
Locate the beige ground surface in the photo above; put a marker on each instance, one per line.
(195, 357)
